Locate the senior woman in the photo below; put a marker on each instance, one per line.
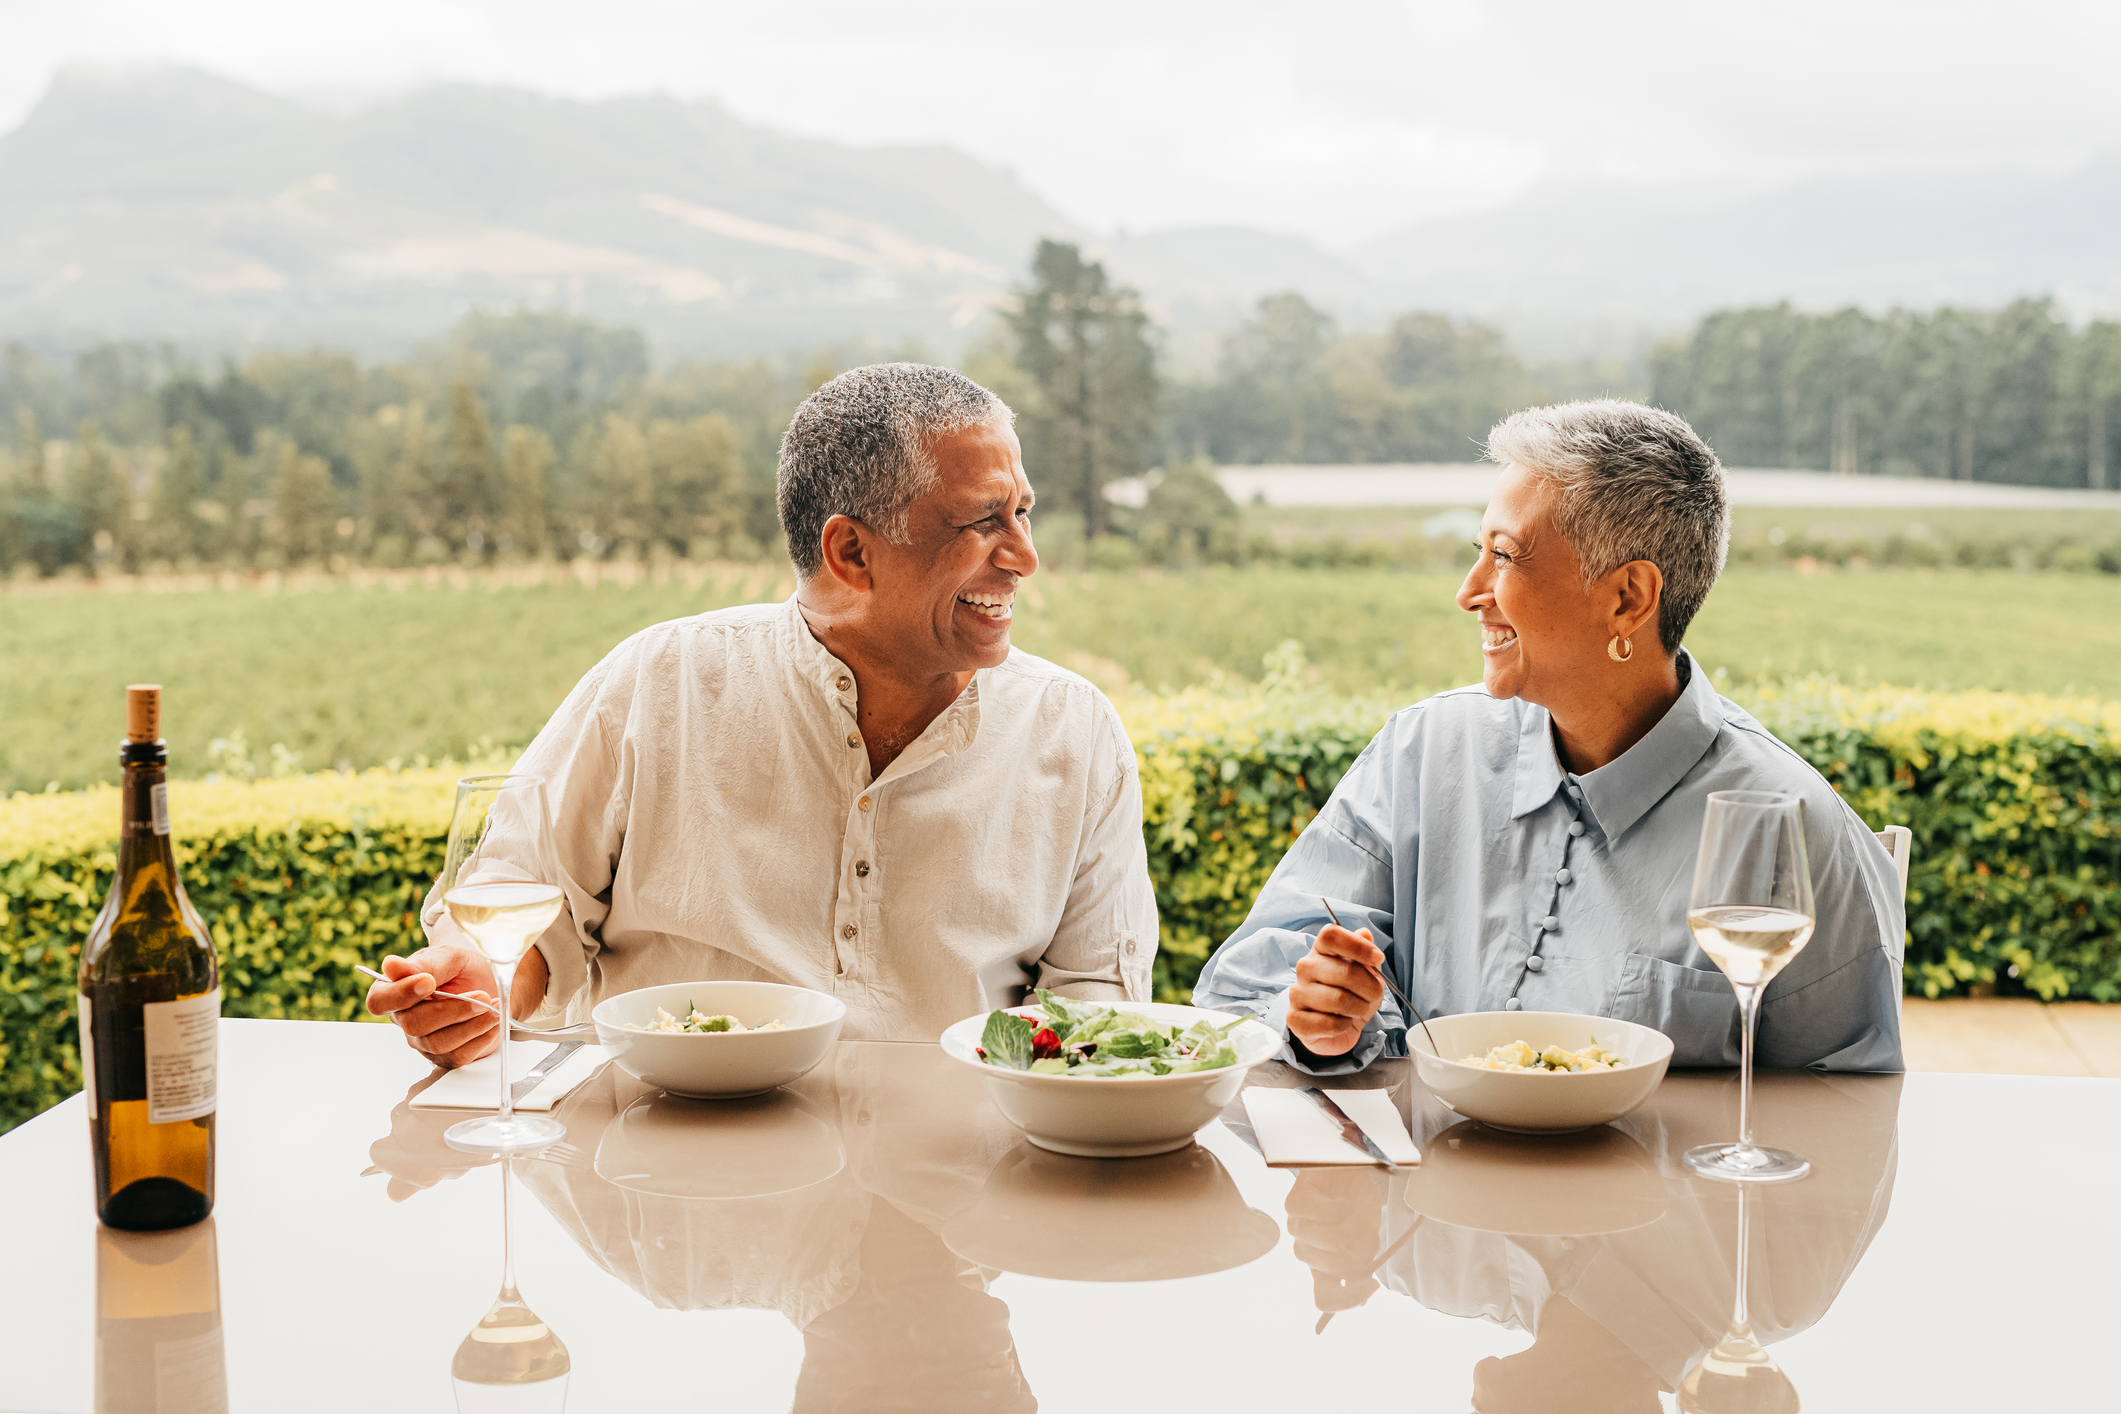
(1530, 843)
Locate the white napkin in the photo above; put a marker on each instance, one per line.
(1293, 1132)
(478, 1086)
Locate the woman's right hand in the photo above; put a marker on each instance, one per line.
(1337, 991)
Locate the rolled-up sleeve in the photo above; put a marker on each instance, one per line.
(585, 788)
(1342, 857)
(1105, 945)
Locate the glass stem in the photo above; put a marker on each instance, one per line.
(1741, 1319)
(508, 1244)
(1749, 1004)
(504, 976)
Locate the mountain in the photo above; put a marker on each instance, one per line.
(1666, 254)
(172, 203)
(168, 203)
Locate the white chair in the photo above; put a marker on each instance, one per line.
(1899, 842)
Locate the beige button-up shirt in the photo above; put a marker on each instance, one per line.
(715, 819)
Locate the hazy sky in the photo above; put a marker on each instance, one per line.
(1338, 118)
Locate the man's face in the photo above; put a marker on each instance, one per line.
(944, 599)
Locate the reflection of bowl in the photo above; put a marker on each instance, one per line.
(1537, 1101)
(1554, 1185)
(1155, 1219)
(673, 1148)
(1117, 1119)
(720, 1065)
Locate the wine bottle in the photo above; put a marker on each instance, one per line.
(150, 1010)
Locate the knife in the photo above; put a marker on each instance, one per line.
(520, 1091)
(1349, 1129)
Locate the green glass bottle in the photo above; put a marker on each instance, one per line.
(150, 1010)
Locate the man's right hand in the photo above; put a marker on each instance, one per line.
(1337, 990)
(449, 1032)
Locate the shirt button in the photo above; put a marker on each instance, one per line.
(1550, 923)
(1535, 963)
(1513, 1005)
(1562, 876)
(863, 802)
(1130, 947)
(861, 869)
(1575, 790)
(854, 738)
(843, 682)
(1575, 827)
(848, 931)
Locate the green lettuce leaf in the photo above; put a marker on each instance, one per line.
(1007, 1041)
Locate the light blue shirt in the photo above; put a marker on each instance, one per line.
(1493, 879)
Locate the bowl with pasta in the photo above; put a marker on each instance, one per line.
(718, 1040)
(1539, 1072)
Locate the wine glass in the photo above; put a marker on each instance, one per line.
(512, 1362)
(497, 884)
(1752, 912)
(1737, 1375)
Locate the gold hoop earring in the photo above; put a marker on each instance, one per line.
(1613, 649)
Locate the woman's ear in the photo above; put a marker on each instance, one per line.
(846, 549)
(1639, 587)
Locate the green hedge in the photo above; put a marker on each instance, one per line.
(2014, 803)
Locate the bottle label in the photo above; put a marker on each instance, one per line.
(181, 1056)
(158, 801)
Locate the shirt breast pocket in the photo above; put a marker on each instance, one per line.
(1694, 1006)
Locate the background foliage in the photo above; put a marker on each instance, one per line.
(2015, 804)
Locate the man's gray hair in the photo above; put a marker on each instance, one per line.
(860, 446)
(1636, 483)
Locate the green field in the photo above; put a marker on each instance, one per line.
(356, 676)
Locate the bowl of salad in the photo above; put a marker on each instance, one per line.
(1540, 1072)
(1110, 1081)
(718, 1040)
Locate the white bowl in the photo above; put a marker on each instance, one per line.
(1116, 1119)
(720, 1065)
(1537, 1101)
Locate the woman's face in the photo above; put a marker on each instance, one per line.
(1543, 632)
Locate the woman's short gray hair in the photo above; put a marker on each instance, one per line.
(1636, 483)
(860, 446)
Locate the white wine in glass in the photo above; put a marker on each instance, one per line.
(1751, 912)
(498, 885)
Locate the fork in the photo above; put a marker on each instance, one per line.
(581, 1031)
(1386, 978)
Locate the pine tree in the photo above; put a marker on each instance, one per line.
(180, 484)
(526, 472)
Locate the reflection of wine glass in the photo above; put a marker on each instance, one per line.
(497, 884)
(511, 1361)
(1736, 1376)
(1752, 912)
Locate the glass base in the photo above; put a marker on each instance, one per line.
(1740, 1163)
(491, 1134)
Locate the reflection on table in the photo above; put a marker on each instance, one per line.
(158, 1322)
(1619, 1263)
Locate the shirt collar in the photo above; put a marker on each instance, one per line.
(953, 731)
(1622, 791)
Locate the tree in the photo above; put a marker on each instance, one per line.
(526, 472)
(304, 502)
(1085, 343)
(469, 483)
(173, 529)
(97, 495)
(697, 478)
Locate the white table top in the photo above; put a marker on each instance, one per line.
(1954, 1249)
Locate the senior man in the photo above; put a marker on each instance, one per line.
(1529, 843)
(864, 790)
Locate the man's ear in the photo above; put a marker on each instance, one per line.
(846, 543)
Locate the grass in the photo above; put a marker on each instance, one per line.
(358, 675)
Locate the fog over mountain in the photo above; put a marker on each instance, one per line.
(168, 203)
